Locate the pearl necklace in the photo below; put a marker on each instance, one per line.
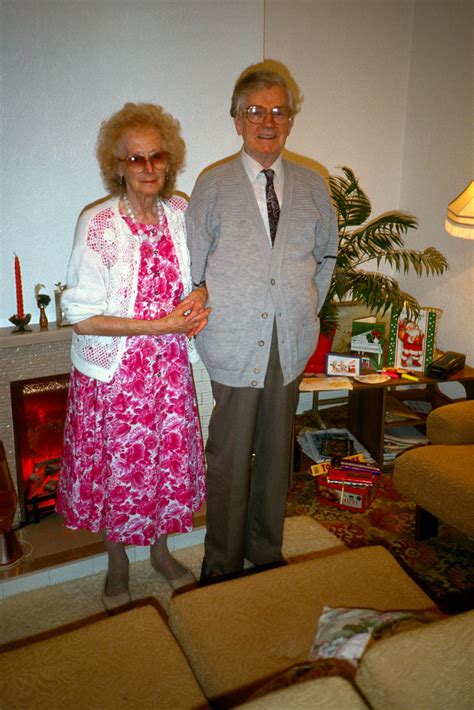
(155, 231)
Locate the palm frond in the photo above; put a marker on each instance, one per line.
(384, 232)
(352, 204)
(429, 261)
(379, 292)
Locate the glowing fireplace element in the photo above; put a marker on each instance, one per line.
(38, 412)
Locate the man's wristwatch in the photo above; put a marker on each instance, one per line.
(201, 283)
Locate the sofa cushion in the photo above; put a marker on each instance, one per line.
(130, 660)
(299, 673)
(430, 667)
(239, 632)
(332, 693)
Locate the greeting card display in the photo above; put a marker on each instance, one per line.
(411, 341)
(368, 337)
(346, 365)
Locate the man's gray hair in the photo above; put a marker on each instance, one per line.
(255, 80)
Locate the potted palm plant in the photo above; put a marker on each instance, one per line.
(380, 241)
(377, 241)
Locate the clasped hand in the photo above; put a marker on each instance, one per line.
(191, 316)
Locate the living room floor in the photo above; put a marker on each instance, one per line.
(49, 543)
(53, 554)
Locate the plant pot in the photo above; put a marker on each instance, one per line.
(317, 361)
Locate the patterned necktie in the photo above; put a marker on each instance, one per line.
(272, 204)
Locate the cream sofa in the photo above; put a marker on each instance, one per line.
(219, 644)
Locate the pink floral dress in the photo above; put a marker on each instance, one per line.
(132, 456)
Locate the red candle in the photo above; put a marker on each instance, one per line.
(19, 290)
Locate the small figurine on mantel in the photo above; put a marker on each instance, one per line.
(61, 320)
(42, 300)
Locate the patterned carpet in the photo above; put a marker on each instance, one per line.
(443, 566)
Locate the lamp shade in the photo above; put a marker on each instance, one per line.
(460, 215)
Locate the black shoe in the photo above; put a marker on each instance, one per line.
(268, 565)
(211, 577)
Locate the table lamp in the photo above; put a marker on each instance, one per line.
(460, 216)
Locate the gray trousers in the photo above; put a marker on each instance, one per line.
(246, 496)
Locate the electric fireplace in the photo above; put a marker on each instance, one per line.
(24, 359)
(38, 412)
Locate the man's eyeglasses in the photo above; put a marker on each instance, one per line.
(257, 114)
(137, 163)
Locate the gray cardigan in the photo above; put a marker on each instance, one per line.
(251, 285)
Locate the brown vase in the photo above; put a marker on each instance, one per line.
(43, 321)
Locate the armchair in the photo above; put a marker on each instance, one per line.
(439, 477)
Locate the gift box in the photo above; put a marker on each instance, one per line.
(346, 496)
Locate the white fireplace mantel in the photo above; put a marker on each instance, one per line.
(11, 339)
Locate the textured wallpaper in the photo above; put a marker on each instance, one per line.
(67, 65)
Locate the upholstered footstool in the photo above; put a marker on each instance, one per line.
(439, 477)
(235, 634)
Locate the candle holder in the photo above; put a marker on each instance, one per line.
(21, 323)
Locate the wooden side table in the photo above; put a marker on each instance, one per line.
(367, 405)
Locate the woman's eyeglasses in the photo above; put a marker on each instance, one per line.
(257, 114)
(137, 163)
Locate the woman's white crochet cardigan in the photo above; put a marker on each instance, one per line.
(102, 279)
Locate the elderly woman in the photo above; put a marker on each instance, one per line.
(132, 459)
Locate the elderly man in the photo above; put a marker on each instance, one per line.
(263, 238)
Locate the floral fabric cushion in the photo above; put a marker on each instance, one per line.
(345, 633)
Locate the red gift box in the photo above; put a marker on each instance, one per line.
(346, 496)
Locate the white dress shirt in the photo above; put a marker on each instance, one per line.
(259, 183)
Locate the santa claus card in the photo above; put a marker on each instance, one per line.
(412, 341)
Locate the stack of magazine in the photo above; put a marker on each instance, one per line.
(400, 439)
(312, 443)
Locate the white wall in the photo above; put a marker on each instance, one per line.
(69, 64)
(386, 86)
(351, 59)
(438, 158)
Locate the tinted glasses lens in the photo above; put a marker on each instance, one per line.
(138, 163)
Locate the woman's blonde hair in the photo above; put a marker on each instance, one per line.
(139, 116)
